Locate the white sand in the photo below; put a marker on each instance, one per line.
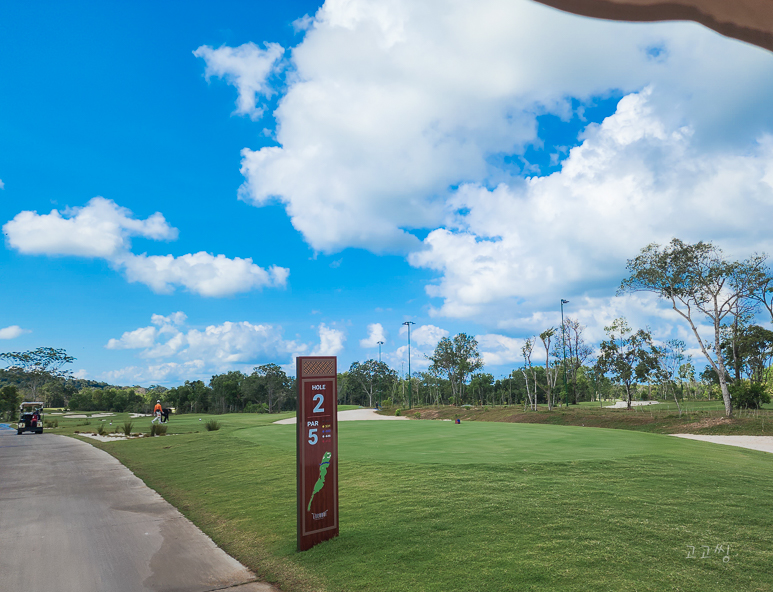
(763, 443)
(352, 415)
(109, 438)
(96, 415)
(624, 404)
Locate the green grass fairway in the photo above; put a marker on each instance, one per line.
(444, 443)
(430, 505)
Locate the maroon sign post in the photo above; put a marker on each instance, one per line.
(317, 446)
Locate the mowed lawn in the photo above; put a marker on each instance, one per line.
(431, 505)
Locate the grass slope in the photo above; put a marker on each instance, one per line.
(701, 417)
(479, 506)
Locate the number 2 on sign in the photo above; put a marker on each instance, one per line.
(319, 398)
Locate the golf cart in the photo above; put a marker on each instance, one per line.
(30, 417)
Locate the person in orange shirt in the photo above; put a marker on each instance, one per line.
(157, 411)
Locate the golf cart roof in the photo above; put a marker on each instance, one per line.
(31, 404)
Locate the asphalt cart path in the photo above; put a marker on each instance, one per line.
(74, 519)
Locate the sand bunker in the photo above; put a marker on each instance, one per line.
(624, 404)
(763, 443)
(353, 415)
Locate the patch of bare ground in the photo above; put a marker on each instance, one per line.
(708, 422)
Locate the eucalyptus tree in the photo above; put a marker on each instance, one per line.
(37, 366)
(627, 355)
(526, 351)
(579, 350)
(752, 351)
(700, 283)
(457, 358)
(670, 361)
(371, 377)
(551, 373)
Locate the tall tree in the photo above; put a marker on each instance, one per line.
(457, 358)
(626, 355)
(551, 373)
(529, 372)
(276, 381)
(38, 366)
(226, 389)
(671, 360)
(752, 350)
(698, 280)
(372, 377)
(579, 351)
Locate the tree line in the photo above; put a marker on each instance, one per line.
(702, 285)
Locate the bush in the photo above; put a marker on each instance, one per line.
(212, 425)
(157, 429)
(397, 413)
(256, 408)
(127, 428)
(101, 430)
(746, 396)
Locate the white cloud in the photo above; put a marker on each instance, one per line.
(2, 185)
(425, 335)
(142, 337)
(376, 333)
(103, 229)
(99, 229)
(391, 103)
(12, 332)
(424, 339)
(499, 350)
(634, 180)
(175, 352)
(176, 318)
(331, 341)
(246, 67)
(202, 273)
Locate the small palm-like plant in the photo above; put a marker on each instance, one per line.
(212, 425)
(127, 428)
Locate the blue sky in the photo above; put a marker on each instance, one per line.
(316, 175)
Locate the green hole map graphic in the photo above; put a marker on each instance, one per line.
(322, 472)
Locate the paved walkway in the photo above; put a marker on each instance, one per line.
(74, 519)
(351, 415)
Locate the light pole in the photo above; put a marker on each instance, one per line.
(408, 324)
(380, 343)
(563, 338)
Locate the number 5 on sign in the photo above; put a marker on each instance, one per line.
(312, 436)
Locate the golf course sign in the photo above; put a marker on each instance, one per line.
(317, 450)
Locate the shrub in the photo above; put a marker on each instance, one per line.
(212, 425)
(397, 412)
(101, 430)
(256, 408)
(748, 396)
(127, 428)
(157, 429)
